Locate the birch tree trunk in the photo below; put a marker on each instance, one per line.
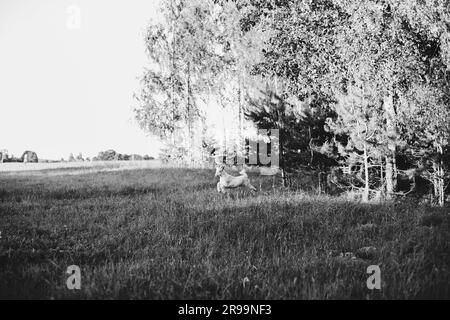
(439, 182)
(189, 124)
(391, 171)
(365, 197)
(240, 114)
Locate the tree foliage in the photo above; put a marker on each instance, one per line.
(362, 82)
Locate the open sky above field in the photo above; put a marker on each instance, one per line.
(69, 90)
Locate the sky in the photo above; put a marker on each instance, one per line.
(68, 71)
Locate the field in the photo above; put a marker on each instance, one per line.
(84, 167)
(165, 233)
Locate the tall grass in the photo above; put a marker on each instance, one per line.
(167, 234)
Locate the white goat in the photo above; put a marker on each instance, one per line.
(228, 181)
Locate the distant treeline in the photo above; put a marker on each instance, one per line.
(110, 155)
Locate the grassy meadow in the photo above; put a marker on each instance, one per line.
(165, 233)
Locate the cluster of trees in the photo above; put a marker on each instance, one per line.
(195, 61)
(78, 158)
(27, 156)
(109, 155)
(362, 84)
